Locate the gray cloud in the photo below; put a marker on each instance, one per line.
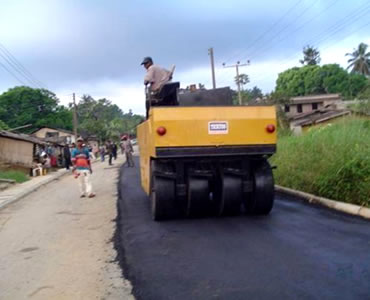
(94, 40)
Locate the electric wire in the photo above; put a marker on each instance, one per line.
(20, 67)
(11, 73)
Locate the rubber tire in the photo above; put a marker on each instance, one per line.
(261, 200)
(162, 197)
(198, 203)
(231, 196)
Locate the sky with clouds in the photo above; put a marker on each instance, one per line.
(95, 47)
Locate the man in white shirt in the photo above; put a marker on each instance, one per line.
(156, 76)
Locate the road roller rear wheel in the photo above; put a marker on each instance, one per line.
(261, 199)
(198, 201)
(230, 195)
(162, 197)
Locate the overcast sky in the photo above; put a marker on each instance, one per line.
(95, 47)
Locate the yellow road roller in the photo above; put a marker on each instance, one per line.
(202, 156)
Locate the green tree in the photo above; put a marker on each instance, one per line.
(312, 79)
(3, 126)
(104, 119)
(311, 56)
(360, 60)
(23, 105)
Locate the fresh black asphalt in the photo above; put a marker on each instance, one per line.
(299, 251)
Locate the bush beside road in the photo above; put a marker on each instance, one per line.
(331, 161)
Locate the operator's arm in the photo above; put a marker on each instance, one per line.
(149, 76)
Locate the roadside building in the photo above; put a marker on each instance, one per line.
(306, 104)
(18, 150)
(302, 122)
(55, 135)
(314, 110)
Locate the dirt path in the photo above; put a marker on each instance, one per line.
(55, 245)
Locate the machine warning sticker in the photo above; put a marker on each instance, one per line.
(218, 127)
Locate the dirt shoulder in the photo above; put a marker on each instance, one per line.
(55, 245)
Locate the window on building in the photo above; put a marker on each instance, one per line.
(286, 108)
(299, 108)
(52, 134)
(314, 106)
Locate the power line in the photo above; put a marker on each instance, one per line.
(10, 72)
(337, 27)
(331, 30)
(273, 26)
(286, 64)
(14, 68)
(27, 74)
(284, 28)
(243, 53)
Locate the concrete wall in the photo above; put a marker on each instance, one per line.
(16, 152)
(306, 107)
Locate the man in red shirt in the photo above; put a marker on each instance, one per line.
(82, 166)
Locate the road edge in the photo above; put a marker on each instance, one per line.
(333, 204)
(30, 190)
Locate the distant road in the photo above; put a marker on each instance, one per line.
(300, 251)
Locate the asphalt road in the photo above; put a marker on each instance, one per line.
(299, 251)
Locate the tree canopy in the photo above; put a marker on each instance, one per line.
(313, 79)
(104, 119)
(23, 105)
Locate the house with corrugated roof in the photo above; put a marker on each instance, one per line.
(17, 149)
(306, 104)
(55, 135)
(306, 111)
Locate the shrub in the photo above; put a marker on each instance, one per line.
(332, 161)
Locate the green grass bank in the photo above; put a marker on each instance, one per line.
(332, 161)
(18, 176)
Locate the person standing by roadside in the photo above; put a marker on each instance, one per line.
(110, 151)
(102, 153)
(127, 146)
(67, 156)
(82, 165)
(114, 151)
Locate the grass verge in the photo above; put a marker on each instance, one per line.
(332, 161)
(18, 176)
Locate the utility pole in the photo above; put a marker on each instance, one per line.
(210, 53)
(75, 124)
(236, 66)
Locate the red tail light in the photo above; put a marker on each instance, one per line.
(161, 130)
(270, 128)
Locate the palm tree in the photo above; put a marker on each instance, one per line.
(360, 61)
(311, 56)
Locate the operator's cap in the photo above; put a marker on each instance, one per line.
(146, 60)
(80, 139)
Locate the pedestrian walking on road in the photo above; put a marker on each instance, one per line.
(82, 169)
(127, 147)
(67, 156)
